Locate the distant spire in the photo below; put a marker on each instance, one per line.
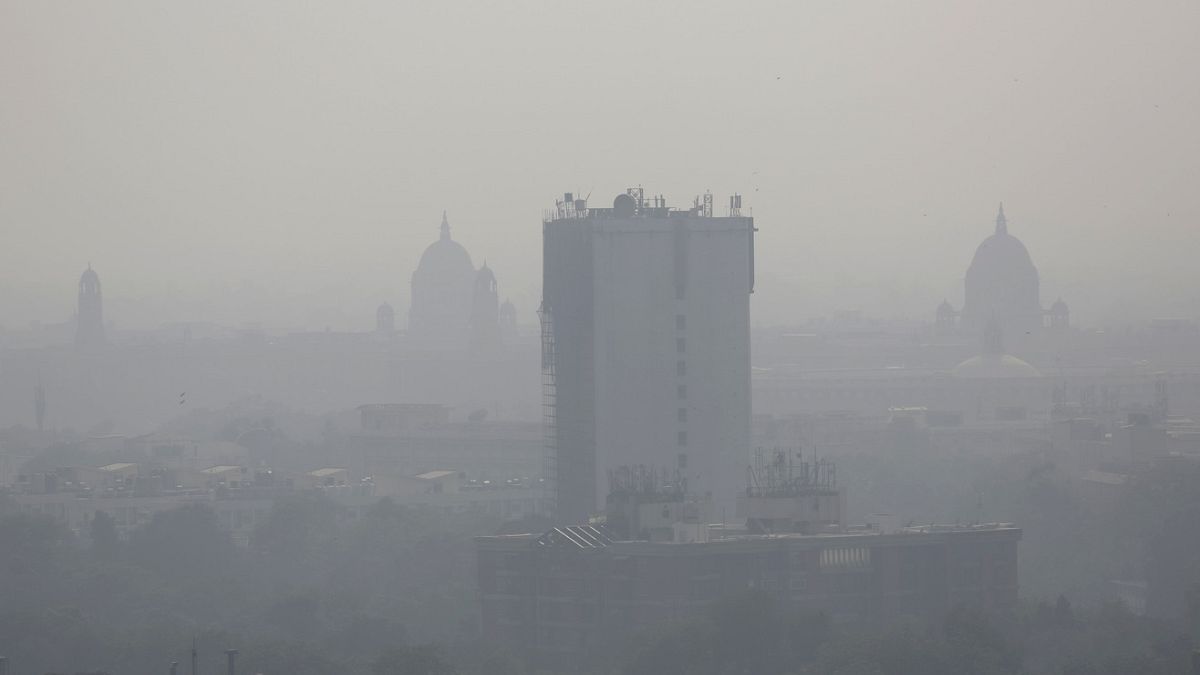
(445, 226)
(1001, 221)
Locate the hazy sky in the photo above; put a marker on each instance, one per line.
(287, 162)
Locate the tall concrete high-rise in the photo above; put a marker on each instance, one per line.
(646, 344)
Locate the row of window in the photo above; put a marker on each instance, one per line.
(681, 414)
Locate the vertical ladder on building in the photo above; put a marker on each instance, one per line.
(549, 417)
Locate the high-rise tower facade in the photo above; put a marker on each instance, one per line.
(646, 344)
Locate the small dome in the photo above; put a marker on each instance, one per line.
(485, 276)
(1059, 307)
(994, 366)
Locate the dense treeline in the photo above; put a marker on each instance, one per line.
(316, 592)
(754, 634)
(393, 591)
(1074, 542)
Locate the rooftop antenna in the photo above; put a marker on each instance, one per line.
(193, 655)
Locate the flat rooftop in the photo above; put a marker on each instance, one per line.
(635, 203)
(736, 537)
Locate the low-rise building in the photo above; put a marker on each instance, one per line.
(573, 593)
(409, 440)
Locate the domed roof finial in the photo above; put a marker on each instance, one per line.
(445, 226)
(1001, 221)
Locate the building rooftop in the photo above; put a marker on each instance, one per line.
(400, 406)
(635, 203)
(118, 466)
(597, 536)
(224, 468)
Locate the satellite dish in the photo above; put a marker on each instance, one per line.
(624, 206)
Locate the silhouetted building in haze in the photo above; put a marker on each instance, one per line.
(1059, 316)
(453, 304)
(485, 311)
(947, 317)
(442, 289)
(1002, 284)
(89, 327)
(385, 319)
(646, 355)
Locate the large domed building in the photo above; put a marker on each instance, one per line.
(445, 309)
(1002, 284)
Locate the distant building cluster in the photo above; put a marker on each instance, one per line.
(412, 454)
(631, 420)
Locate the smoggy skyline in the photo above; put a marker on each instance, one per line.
(289, 164)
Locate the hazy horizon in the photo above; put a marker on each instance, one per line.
(287, 165)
